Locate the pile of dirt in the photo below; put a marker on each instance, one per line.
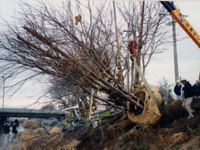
(175, 111)
(178, 133)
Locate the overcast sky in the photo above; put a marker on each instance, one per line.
(161, 65)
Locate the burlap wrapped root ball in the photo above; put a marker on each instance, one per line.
(150, 114)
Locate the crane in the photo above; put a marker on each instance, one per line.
(180, 19)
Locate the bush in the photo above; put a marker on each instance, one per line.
(29, 123)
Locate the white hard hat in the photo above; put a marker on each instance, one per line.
(177, 80)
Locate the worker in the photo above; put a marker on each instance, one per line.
(196, 88)
(14, 126)
(6, 136)
(188, 97)
(178, 90)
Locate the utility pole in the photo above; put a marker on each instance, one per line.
(128, 58)
(129, 84)
(3, 91)
(199, 76)
(175, 49)
(120, 76)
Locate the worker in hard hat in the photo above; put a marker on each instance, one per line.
(188, 97)
(178, 90)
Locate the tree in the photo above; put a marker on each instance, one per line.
(48, 107)
(47, 42)
(165, 91)
(148, 28)
(68, 95)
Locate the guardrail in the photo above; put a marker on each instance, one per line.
(15, 110)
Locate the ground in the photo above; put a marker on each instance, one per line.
(173, 132)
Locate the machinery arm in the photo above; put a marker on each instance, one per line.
(177, 15)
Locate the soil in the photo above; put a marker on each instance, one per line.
(173, 132)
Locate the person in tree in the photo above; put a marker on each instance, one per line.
(6, 136)
(14, 126)
(188, 97)
(177, 90)
(196, 88)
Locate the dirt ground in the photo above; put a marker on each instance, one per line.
(173, 132)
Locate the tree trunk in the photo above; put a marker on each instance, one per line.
(119, 67)
(137, 78)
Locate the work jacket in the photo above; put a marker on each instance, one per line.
(196, 88)
(14, 128)
(177, 89)
(188, 90)
(6, 129)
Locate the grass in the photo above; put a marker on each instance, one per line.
(142, 147)
(84, 118)
(104, 113)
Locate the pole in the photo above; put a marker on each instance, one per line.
(91, 102)
(199, 76)
(145, 83)
(70, 112)
(132, 75)
(137, 78)
(128, 60)
(175, 49)
(120, 76)
(3, 91)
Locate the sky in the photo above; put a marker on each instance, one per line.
(161, 65)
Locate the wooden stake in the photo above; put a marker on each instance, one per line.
(118, 50)
(199, 75)
(145, 83)
(91, 102)
(70, 111)
(137, 78)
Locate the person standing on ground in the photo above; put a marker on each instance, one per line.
(196, 88)
(177, 90)
(14, 126)
(188, 97)
(6, 136)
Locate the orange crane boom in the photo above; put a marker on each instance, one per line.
(180, 19)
